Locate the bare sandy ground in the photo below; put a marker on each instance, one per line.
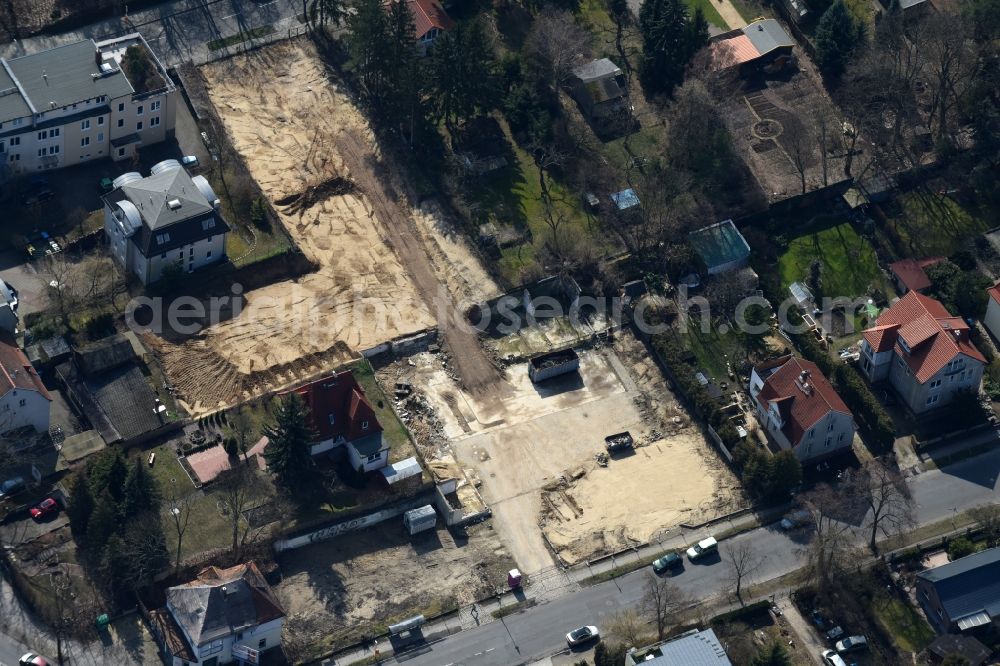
(285, 116)
(533, 449)
(635, 497)
(336, 589)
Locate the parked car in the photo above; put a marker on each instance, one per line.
(831, 658)
(32, 659)
(834, 633)
(12, 486)
(669, 561)
(702, 549)
(795, 519)
(851, 643)
(189, 160)
(38, 196)
(44, 508)
(582, 635)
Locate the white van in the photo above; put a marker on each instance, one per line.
(702, 548)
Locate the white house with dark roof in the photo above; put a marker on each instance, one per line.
(165, 219)
(24, 400)
(221, 616)
(75, 103)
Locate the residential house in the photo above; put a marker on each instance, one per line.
(599, 87)
(480, 146)
(799, 408)
(166, 219)
(24, 400)
(429, 20)
(721, 247)
(692, 648)
(761, 45)
(992, 318)
(341, 415)
(79, 102)
(910, 275)
(8, 308)
(924, 353)
(219, 617)
(964, 594)
(949, 645)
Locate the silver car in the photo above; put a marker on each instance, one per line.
(582, 635)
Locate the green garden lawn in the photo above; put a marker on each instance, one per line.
(932, 224)
(849, 263)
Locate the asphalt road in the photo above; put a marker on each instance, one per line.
(539, 631)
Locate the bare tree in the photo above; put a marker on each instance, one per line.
(627, 627)
(558, 43)
(888, 499)
(831, 545)
(180, 506)
(241, 425)
(660, 601)
(797, 141)
(239, 490)
(744, 564)
(987, 517)
(951, 69)
(62, 286)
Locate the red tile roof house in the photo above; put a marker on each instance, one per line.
(799, 409)
(910, 275)
(342, 416)
(923, 352)
(992, 318)
(430, 20)
(24, 400)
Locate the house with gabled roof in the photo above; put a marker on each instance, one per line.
(221, 616)
(962, 595)
(341, 416)
(799, 408)
(24, 400)
(429, 20)
(924, 353)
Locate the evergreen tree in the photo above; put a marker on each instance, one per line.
(103, 523)
(367, 41)
(463, 67)
(107, 471)
(321, 12)
(140, 491)
(402, 105)
(288, 453)
(837, 35)
(81, 505)
(670, 38)
(786, 474)
(774, 654)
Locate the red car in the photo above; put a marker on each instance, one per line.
(47, 506)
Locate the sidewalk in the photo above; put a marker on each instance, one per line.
(555, 582)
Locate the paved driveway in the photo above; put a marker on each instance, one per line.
(32, 287)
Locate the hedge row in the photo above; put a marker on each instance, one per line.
(868, 412)
(740, 614)
(682, 374)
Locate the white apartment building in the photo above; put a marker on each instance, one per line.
(166, 219)
(75, 103)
